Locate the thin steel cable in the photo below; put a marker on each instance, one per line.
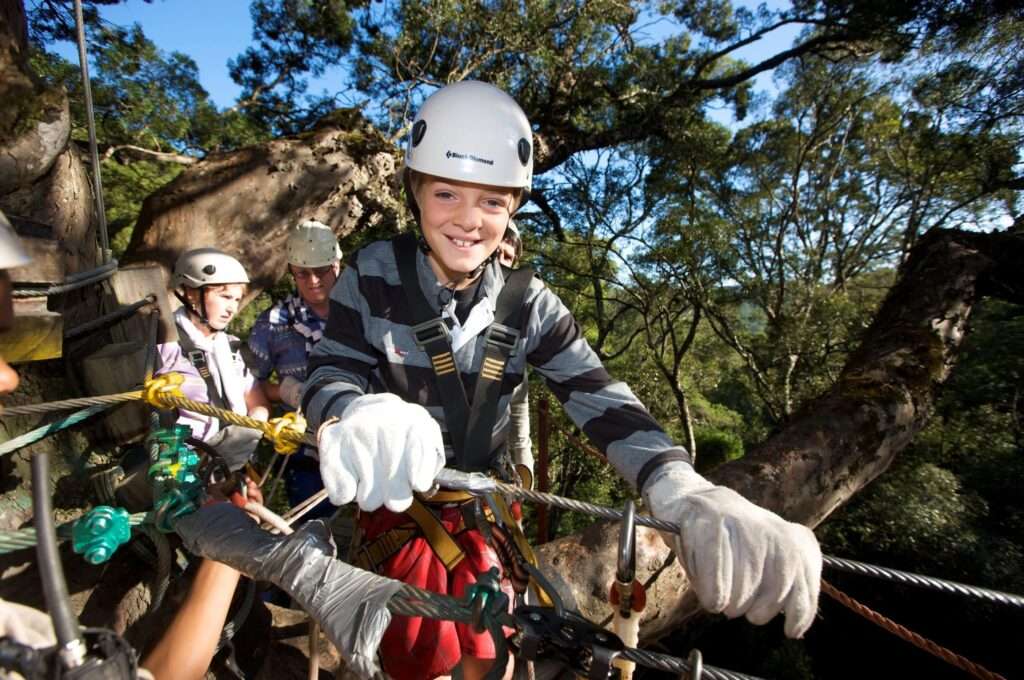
(114, 316)
(88, 278)
(923, 581)
(910, 636)
(39, 433)
(457, 480)
(673, 664)
(68, 404)
(97, 181)
(19, 539)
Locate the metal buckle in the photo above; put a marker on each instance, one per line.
(429, 331)
(503, 336)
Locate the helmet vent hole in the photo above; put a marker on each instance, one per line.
(209, 270)
(418, 130)
(524, 151)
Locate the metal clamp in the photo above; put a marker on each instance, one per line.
(430, 331)
(503, 336)
(696, 662)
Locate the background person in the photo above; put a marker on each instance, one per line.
(210, 285)
(284, 336)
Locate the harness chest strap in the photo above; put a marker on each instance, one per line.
(470, 424)
(199, 361)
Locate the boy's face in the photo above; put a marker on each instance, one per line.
(462, 223)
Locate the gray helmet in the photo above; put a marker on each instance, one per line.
(207, 267)
(312, 244)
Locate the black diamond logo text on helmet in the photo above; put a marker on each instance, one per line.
(418, 130)
(209, 270)
(524, 151)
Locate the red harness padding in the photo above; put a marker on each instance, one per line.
(415, 648)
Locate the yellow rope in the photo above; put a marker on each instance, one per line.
(286, 432)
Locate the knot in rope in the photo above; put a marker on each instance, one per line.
(287, 432)
(159, 387)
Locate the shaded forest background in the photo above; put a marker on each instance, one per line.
(726, 272)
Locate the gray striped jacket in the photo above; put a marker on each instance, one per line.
(368, 346)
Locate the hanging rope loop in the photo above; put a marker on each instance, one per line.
(157, 389)
(287, 432)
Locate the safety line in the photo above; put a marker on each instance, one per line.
(35, 435)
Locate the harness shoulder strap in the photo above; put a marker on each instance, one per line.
(197, 358)
(500, 344)
(431, 336)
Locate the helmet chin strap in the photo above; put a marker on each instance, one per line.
(201, 312)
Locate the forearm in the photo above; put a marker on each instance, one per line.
(188, 646)
(257, 403)
(272, 391)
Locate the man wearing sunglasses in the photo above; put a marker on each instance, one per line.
(283, 337)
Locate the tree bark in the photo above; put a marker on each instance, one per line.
(245, 201)
(841, 441)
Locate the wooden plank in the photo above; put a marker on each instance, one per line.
(119, 367)
(47, 265)
(37, 333)
(131, 284)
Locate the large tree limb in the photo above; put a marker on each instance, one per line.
(844, 439)
(245, 201)
(141, 154)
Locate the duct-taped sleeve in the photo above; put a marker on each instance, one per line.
(350, 604)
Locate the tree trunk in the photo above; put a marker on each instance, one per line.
(245, 201)
(842, 440)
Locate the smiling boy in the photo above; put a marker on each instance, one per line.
(425, 344)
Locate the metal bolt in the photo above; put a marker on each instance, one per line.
(536, 618)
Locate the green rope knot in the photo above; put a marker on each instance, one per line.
(100, 532)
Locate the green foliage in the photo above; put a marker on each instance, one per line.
(715, 447)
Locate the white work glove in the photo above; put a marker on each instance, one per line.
(741, 558)
(290, 390)
(235, 444)
(380, 452)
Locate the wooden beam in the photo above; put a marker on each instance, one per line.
(37, 333)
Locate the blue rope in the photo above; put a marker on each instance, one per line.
(35, 435)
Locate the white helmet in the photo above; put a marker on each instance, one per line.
(12, 253)
(473, 132)
(207, 267)
(312, 244)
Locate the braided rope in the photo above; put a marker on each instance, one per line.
(287, 432)
(35, 435)
(910, 636)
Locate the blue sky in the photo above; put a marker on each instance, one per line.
(214, 31)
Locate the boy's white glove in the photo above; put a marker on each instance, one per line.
(380, 452)
(290, 391)
(741, 558)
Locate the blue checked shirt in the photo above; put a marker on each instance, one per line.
(282, 339)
